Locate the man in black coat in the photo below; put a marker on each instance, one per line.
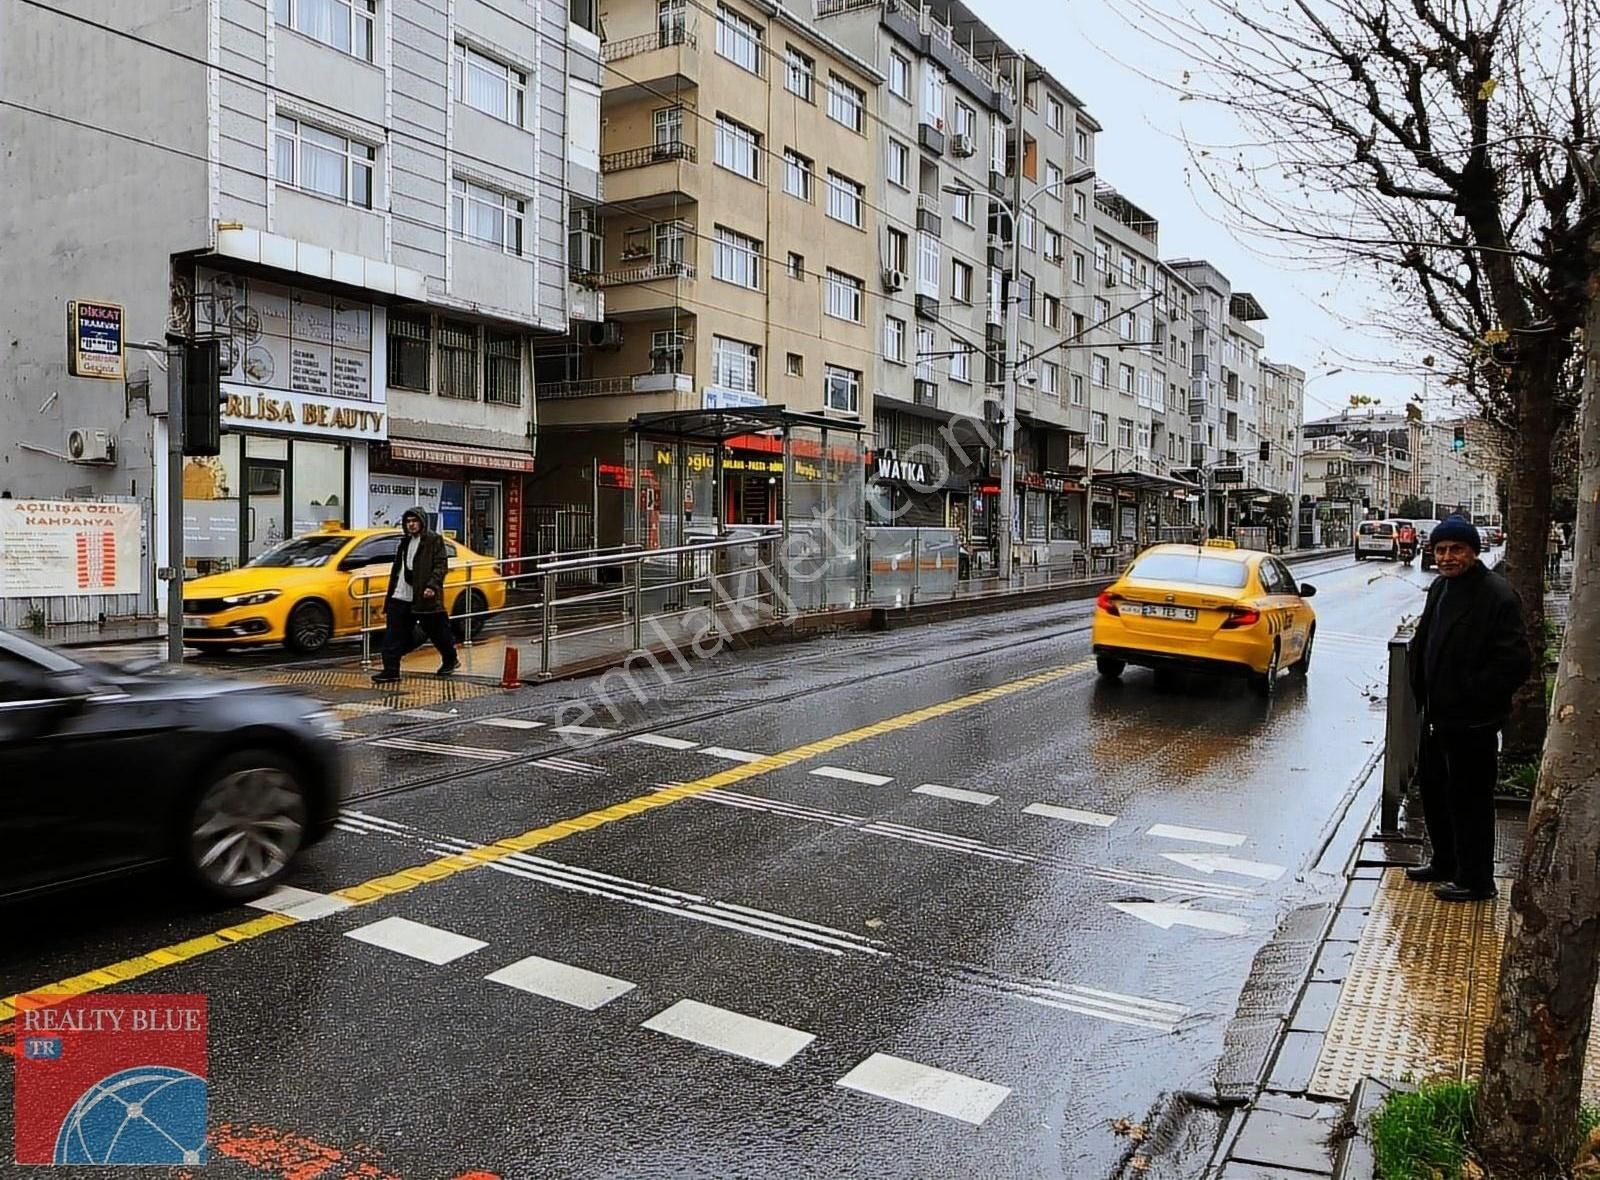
(1469, 656)
(416, 597)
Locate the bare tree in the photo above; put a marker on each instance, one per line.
(1427, 143)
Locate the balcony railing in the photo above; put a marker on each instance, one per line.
(659, 153)
(649, 273)
(648, 42)
(612, 386)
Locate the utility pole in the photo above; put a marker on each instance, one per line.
(177, 370)
(1008, 373)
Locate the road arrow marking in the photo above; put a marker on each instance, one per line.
(1196, 835)
(1168, 916)
(1216, 862)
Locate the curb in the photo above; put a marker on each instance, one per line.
(1354, 1160)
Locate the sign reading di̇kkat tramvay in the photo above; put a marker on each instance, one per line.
(94, 340)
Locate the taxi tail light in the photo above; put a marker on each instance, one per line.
(1241, 616)
(1107, 602)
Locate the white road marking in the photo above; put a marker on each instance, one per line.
(405, 937)
(956, 793)
(426, 714)
(1072, 815)
(1168, 916)
(584, 730)
(561, 981)
(1216, 862)
(1197, 835)
(511, 723)
(416, 746)
(662, 741)
(360, 707)
(568, 766)
(852, 776)
(299, 903)
(953, 1095)
(731, 755)
(730, 1032)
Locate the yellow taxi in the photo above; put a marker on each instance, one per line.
(1206, 608)
(325, 585)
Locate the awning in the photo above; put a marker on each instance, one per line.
(718, 425)
(447, 455)
(1145, 481)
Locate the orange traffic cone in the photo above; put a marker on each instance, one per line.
(509, 677)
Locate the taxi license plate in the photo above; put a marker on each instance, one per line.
(1183, 614)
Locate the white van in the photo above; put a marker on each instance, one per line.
(1377, 538)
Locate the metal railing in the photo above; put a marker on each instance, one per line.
(645, 274)
(643, 157)
(665, 38)
(911, 565)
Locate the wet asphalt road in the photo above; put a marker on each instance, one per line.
(1000, 873)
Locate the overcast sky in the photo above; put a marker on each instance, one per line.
(1141, 153)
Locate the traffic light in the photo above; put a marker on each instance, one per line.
(202, 397)
(1459, 442)
(1266, 450)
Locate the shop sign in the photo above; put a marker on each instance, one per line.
(388, 496)
(448, 456)
(890, 466)
(717, 397)
(298, 414)
(514, 518)
(1227, 475)
(615, 475)
(64, 548)
(94, 340)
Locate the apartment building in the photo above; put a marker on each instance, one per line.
(1380, 463)
(364, 201)
(736, 248)
(1283, 393)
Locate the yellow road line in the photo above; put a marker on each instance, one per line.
(449, 866)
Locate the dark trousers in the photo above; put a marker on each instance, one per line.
(400, 623)
(1459, 770)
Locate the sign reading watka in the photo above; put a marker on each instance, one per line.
(94, 340)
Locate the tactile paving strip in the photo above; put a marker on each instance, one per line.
(411, 692)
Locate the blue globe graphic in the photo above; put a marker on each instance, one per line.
(151, 1114)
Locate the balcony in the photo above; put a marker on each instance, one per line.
(928, 218)
(617, 386)
(657, 176)
(660, 63)
(931, 138)
(643, 157)
(650, 272)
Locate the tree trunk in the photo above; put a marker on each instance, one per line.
(1527, 531)
(1534, 1051)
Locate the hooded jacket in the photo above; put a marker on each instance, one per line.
(1482, 655)
(429, 570)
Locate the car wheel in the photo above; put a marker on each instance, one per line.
(474, 604)
(245, 825)
(309, 629)
(1266, 683)
(1109, 667)
(1303, 665)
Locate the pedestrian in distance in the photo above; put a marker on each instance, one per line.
(1469, 656)
(415, 598)
(1553, 548)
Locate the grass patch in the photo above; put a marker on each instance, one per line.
(1427, 1134)
(1519, 778)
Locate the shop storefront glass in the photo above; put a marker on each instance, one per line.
(1037, 511)
(1066, 518)
(320, 478)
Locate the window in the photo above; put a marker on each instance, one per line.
(1053, 176)
(1052, 244)
(1100, 368)
(841, 390)
(800, 74)
(847, 103)
(736, 259)
(899, 76)
(1078, 397)
(845, 198)
(966, 121)
(844, 296)
(1080, 145)
(585, 245)
(672, 21)
(666, 352)
(1125, 378)
(1077, 266)
(961, 205)
(410, 351)
(669, 241)
(738, 40)
(1080, 325)
(489, 86)
(1055, 115)
(928, 265)
(961, 362)
(503, 367)
(738, 149)
(1102, 311)
(458, 360)
(1099, 427)
(894, 340)
(795, 365)
(996, 297)
(668, 126)
(926, 343)
(1080, 206)
(796, 265)
(997, 147)
(1126, 325)
(899, 164)
(1025, 296)
(1146, 331)
(1125, 432)
(1050, 378)
(735, 364)
(1102, 257)
(899, 246)
(318, 161)
(347, 25)
(933, 97)
(797, 175)
(479, 214)
(1030, 94)
(1052, 311)
(961, 282)
(1146, 398)
(1028, 229)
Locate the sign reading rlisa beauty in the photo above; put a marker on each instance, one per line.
(302, 414)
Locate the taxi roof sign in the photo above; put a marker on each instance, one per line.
(1221, 543)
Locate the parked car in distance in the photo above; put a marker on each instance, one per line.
(110, 770)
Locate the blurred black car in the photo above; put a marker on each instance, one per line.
(106, 770)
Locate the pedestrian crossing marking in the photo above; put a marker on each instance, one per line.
(1196, 835)
(562, 982)
(1072, 815)
(853, 776)
(927, 1088)
(662, 741)
(418, 941)
(730, 1032)
(957, 793)
(511, 723)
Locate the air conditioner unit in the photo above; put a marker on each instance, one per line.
(962, 145)
(605, 336)
(894, 280)
(91, 446)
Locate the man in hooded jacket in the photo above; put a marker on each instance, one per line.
(416, 597)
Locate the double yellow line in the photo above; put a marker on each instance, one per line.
(448, 866)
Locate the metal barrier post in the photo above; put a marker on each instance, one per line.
(638, 606)
(366, 622)
(916, 563)
(1402, 732)
(466, 618)
(547, 624)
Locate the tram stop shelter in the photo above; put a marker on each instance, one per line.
(700, 475)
